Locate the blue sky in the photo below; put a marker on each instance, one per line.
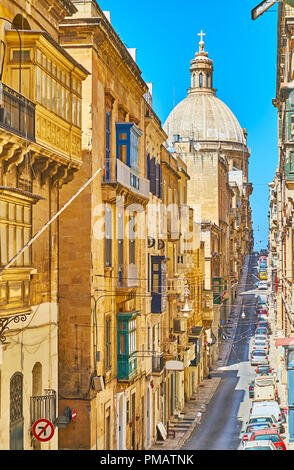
(244, 54)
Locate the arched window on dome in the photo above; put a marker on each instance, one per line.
(194, 80)
(207, 80)
(201, 80)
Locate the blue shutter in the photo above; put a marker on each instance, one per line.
(108, 132)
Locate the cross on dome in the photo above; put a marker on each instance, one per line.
(201, 34)
(201, 43)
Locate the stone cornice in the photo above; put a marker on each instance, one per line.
(112, 44)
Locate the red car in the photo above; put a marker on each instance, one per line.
(269, 435)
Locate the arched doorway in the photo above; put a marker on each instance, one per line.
(16, 412)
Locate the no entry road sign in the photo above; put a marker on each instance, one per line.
(43, 430)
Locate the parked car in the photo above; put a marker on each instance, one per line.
(262, 331)
(259, 445)
(265, 324)
(268, 408)
(261, 317)
(268, 434)
(265, 388)
(258, 357)
(251, 389)
(262, 311)
(250, 428)
(263, 370)
(262, 285)
(263, 277)
(263, 419)
(260, 346)
(263, 337)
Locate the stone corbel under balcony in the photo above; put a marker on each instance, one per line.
(43, 163)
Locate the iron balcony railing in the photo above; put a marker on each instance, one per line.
(128, 276)
(157, 363)
(43, 407)
(127, 177)
(17, 113)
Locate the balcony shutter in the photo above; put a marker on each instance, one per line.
(177, 326)
(153, 176)
(160, 181)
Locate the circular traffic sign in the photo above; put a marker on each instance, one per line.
(43, 430)
(73, 415)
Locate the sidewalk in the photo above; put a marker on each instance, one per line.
(278, 366)
(194, 409)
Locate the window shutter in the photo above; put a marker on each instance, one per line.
(153, 176)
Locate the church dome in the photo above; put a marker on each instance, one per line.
(202, 116)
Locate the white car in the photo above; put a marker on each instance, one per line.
(258, 445)
(262, 285)
(263, 338)
(260, 345)
(267, 408)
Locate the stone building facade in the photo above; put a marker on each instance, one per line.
(40, 145)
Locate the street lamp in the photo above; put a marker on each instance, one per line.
(243, 316)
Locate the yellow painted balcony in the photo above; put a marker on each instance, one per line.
(43, 74)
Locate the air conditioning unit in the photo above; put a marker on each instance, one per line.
(98, 383)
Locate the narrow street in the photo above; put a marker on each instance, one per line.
(222, 423)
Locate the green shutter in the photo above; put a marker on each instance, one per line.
(290, 2)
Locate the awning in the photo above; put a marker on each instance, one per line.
(174, 365)
(284, 342)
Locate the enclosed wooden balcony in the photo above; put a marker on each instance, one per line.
(40, 106)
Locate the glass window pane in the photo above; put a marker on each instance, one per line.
(3, 244)
(27, 252)
(11, 236)
(11, 211)
(74, 109)
(58, 99)
(38, 85)
(19, 213)
(27, 215)
(19, 245)
(53, 95)
(48, 92)
(43, 89)
(3, 210)
(122, 344)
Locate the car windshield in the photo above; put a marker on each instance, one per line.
(257, 426)
(260, 420)
(259, 353)
(268, 437)
(259, 448)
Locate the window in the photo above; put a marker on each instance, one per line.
(201, 80)
(107, 430)
(132, 240)
(108, 343)
(292, 127)
(127, 140)
(158, 284)
(15, 232)
(108, 136)
(108, 236)
(126, 346)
